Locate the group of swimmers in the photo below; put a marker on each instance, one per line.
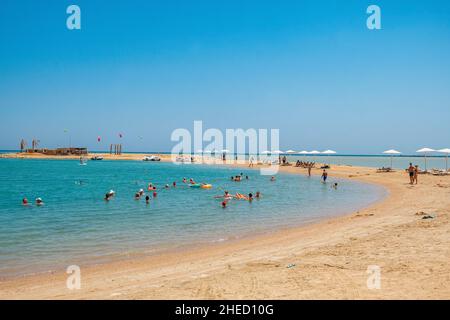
(38, 202)
(239, 177)
(238, 196)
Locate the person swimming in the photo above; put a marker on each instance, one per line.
(191, 181)
(137, 196)
(232, 178)
(154, 194)
(226, 195)
(250, 196)
(174, 184)
(147, 199)
(39, 202)
(184, 180)
(272, 178)
(167, 186)
(109, 195)
(224, 204)
(246, 177)
(25, 202)
(258, 195)
(335, 185)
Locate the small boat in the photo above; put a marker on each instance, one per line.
(151, 158)
(97, 158)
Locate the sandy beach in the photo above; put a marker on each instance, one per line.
(325, 260)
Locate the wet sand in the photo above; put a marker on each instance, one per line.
(326, 260)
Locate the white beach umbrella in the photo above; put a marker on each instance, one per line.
(392, 153)
(446, 151)
(314, 152)
(328, 152)
(425, 151)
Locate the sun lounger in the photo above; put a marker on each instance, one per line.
(383, 169)
(438, 172)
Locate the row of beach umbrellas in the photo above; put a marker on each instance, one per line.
(425, 152)
(274, 152)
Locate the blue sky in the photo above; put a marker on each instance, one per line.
(144, 68)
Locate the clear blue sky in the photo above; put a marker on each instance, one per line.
(143, 68)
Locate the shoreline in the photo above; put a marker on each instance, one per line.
(205, 265)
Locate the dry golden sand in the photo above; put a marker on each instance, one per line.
(331, 257)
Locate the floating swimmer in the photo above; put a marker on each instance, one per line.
(167, 186)
(240, 196)
(39, 202)
(226, 196)
(25, 202)
(147, 199)
(110, 194)
(258, 195)
(272, 178)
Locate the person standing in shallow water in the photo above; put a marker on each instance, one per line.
(324, 176)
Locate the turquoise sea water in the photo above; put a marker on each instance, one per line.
(76, 226)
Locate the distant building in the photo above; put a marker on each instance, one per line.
(60, 151)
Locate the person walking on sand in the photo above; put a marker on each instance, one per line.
(411, 171)
(324, 176)
(309, 171)
(416, 173)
